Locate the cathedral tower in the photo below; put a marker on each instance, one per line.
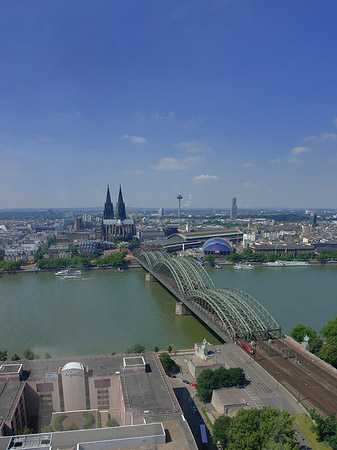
(108, 207)
(120, 207)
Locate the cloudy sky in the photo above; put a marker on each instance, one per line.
(216, 98)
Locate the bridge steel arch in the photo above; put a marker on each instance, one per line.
(234, 312)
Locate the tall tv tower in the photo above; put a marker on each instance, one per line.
(179, 197)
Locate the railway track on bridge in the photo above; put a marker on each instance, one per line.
(309, 382)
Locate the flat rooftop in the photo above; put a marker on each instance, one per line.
(9, 393)
(148, 391)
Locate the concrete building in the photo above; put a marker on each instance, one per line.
(233, 210)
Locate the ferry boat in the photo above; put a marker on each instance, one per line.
(243, 266)
(286, 264)
(68, 272)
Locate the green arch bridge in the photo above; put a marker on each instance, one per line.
(229, 313)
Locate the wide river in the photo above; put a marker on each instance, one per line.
(105, 311)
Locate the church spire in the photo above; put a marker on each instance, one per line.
(120, 207)
(108, 207)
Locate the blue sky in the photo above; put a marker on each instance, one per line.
(217, 98)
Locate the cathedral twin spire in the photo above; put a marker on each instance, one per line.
(120, 206)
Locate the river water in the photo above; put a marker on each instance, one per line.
(106, 311)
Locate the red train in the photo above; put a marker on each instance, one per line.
(245, 346)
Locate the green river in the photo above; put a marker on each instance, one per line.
(106, 311)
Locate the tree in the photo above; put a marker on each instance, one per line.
(210, 259)
(330, 329)
(300, 331)
(112, 422)
(156, 349)
(208, 380)
(26, 430)
(168, 364)
(325, 428)
(47, 356)
(15, 357)
(170, 348)
(29, 354)
(3, 355)
(137, 348)
(117, 240)
(328, 352)
(135, 242)
(220, 430)
(256, 429)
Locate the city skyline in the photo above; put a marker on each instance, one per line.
(218, 99)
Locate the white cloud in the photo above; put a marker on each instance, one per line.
(275, 161)
(194, 146)
(157, 116)
(135, 139)
(248, 184)
(298, 150)
(322, 137)
(177, 164)
(335, 121)
(248, 164)
(204, 178)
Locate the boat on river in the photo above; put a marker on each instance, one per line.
(239, 266)
(68, 272)
(286, 264)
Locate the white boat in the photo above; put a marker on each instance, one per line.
(286, 264)
(243, 266)
(68, 272)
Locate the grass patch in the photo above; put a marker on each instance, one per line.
(207, 418)
(304, 424)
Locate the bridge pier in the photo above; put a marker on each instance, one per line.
(149, 278)
(182, 310)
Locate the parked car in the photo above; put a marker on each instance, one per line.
(192, 384)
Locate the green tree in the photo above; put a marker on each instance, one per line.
(220, 430)
(170, 348)
(300, 331)
(208, 380)
(328, 352)
(3, 355)
(46, 429)
(90, 420)
(15, 357)
(257, 429)
(210, 259)
(26, 430)
(73, 249)
(137, 348)
(168, 364)
(330, 330)
(29, 354)
(112, 422)
(117, 240)
(135, 242)
(47, 356)
(325, 428)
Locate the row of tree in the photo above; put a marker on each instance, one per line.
(256, 429)
(326, 347)
(208, 380)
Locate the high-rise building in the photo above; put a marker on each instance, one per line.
(179, 197)
(119, 226)
(161, 212)
(233, 210)
(313, 220)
